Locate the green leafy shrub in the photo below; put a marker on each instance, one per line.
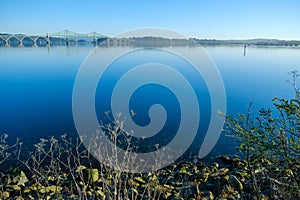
(270, 147)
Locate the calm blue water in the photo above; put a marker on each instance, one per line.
(36, 87)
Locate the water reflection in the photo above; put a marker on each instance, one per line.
(36, 84)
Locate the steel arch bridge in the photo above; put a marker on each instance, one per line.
(35, 39)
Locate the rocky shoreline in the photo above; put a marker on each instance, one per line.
(226, 178)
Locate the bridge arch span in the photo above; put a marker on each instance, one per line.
(11, 40)
(3, 41)
(41, 41)
(28, 40)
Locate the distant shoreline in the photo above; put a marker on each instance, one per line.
(32, 40)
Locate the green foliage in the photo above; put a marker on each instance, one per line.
(270, 147)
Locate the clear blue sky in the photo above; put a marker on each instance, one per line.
(220, 19)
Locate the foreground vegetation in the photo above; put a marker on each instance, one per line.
(268, 166)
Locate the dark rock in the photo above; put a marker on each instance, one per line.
(226, 160)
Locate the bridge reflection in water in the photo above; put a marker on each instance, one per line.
(65, 37)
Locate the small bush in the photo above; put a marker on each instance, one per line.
(270, 147)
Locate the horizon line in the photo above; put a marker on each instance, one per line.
(191, 37)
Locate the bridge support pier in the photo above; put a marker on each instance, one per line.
(7, 43)
(95, 42)
(48, 39)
